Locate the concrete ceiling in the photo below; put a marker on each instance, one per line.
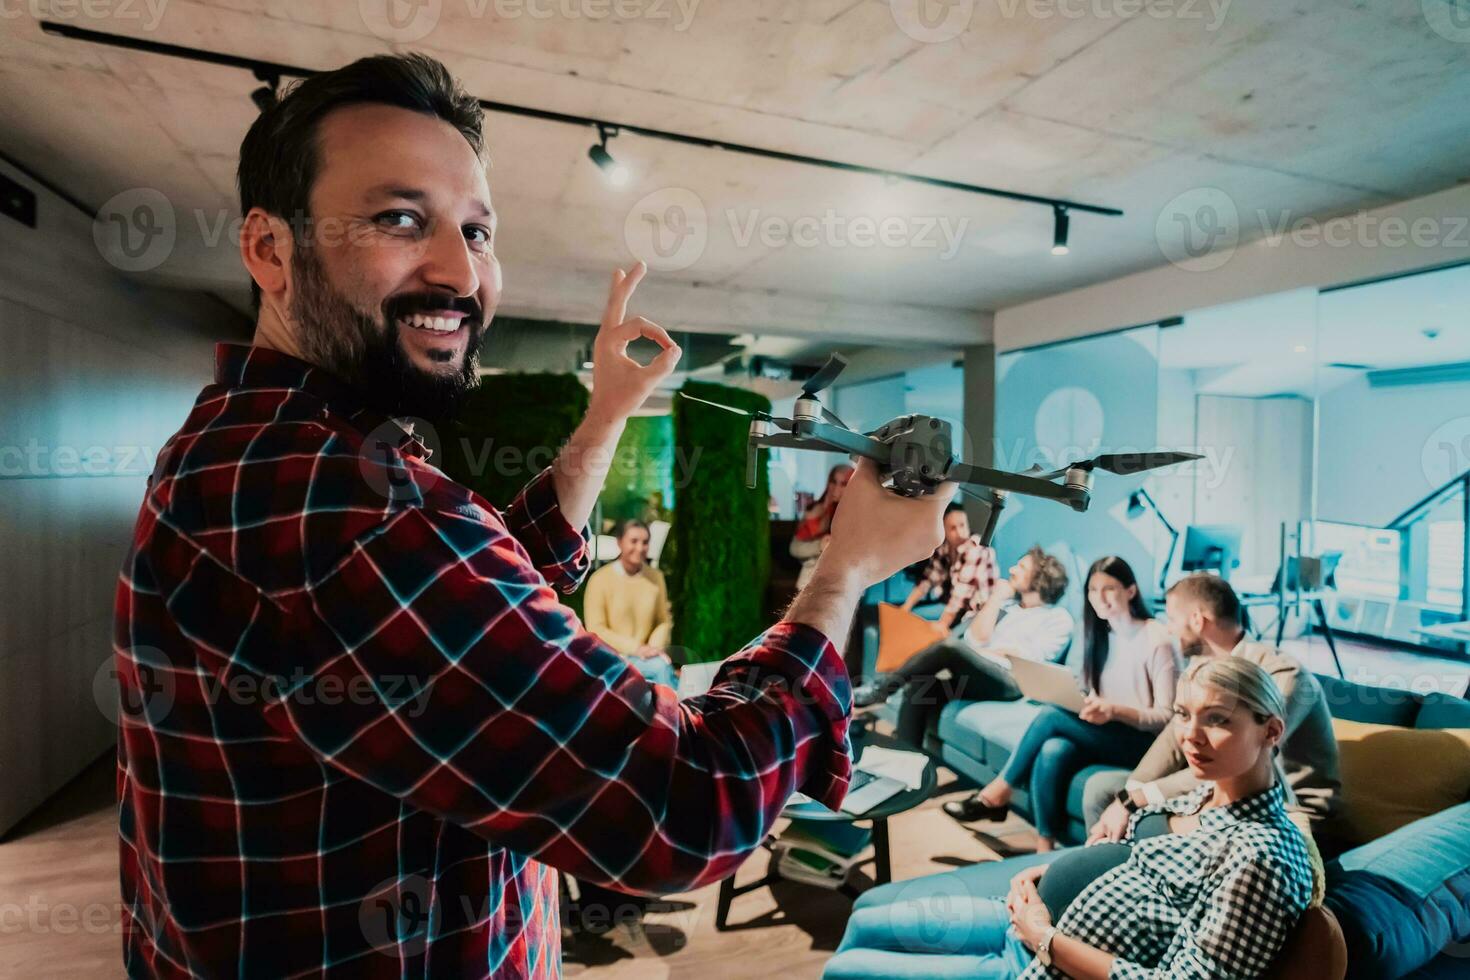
(1306, 107)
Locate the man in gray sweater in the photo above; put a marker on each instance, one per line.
(1204, 613)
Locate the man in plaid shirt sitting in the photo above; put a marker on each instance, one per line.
(960, 573)
(359, 731)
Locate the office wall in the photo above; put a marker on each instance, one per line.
(1383, 449)
(1058, 404)
(96, 373)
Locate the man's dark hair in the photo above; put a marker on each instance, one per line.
(278, 157)
(629, 525)
(956, 506)
(1212, 592)
(1049, 580)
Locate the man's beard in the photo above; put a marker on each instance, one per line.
(366, 353)
(1192, 647)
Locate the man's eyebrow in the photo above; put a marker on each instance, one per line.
(482, 210)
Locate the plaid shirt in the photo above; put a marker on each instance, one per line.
(357, 730)
(1215, 904)
(962, 577)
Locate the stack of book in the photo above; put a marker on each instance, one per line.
(819, 852)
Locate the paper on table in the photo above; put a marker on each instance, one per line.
(906, 767)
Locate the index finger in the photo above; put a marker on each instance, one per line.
(617, 297)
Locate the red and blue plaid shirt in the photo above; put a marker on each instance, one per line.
(357, 730)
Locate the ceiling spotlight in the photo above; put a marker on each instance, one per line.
(1059, 231)
(266, 96)
(616, 173)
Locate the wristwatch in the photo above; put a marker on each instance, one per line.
(1124, 797)
(1043, 948)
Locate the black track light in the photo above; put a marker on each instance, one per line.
(267, 95)
(616, 173)
(1059, 232)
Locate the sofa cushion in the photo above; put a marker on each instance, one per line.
(1404, 898)
(901, 634)
(1443, 711)
(1430, 772)
(1316, 948)
(970, 725)
(1370, 705)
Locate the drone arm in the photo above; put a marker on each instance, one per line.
(1016, 483)
(820, 435)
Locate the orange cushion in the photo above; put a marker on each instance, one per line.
(1316, 948)
(1393, 776)
(902, 634)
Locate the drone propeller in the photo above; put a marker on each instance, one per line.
(825, 376)
(758, 416)
(1124, 464)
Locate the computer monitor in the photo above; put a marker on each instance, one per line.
(1212, 547)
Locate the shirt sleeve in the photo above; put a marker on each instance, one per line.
(1163, 677)
(556, 549)
(1241, 926)
(527, 730)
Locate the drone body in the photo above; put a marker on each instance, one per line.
(915, 453)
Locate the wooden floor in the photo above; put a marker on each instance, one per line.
(59, 899)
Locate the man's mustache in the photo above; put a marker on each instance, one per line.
(409, 304)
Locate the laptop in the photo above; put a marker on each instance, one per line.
(866, 791)
(1046, 682)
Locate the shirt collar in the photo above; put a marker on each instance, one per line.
(1254, 807)
(240, 367)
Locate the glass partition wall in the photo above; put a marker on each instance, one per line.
(1334, 430)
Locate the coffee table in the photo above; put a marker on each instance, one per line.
(812, 810)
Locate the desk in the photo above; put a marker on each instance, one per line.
(1455, 632)
(1248, 602)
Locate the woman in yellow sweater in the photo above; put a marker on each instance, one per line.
(627, 606)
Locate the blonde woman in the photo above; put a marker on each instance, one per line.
(1207, 886)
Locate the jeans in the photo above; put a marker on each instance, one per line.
(656, 670)
(947, 936)
(1057, 745)
(975, 678)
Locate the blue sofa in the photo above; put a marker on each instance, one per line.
(1403, 902)
(975, 738)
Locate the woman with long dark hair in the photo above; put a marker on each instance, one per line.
(816, 524)
(1129, 667)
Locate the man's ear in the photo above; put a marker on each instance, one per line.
(265, 248)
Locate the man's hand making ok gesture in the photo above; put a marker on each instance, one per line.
(620, 385)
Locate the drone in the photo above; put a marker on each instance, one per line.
(915, 453)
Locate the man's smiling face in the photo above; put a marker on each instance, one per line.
(398, 279)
